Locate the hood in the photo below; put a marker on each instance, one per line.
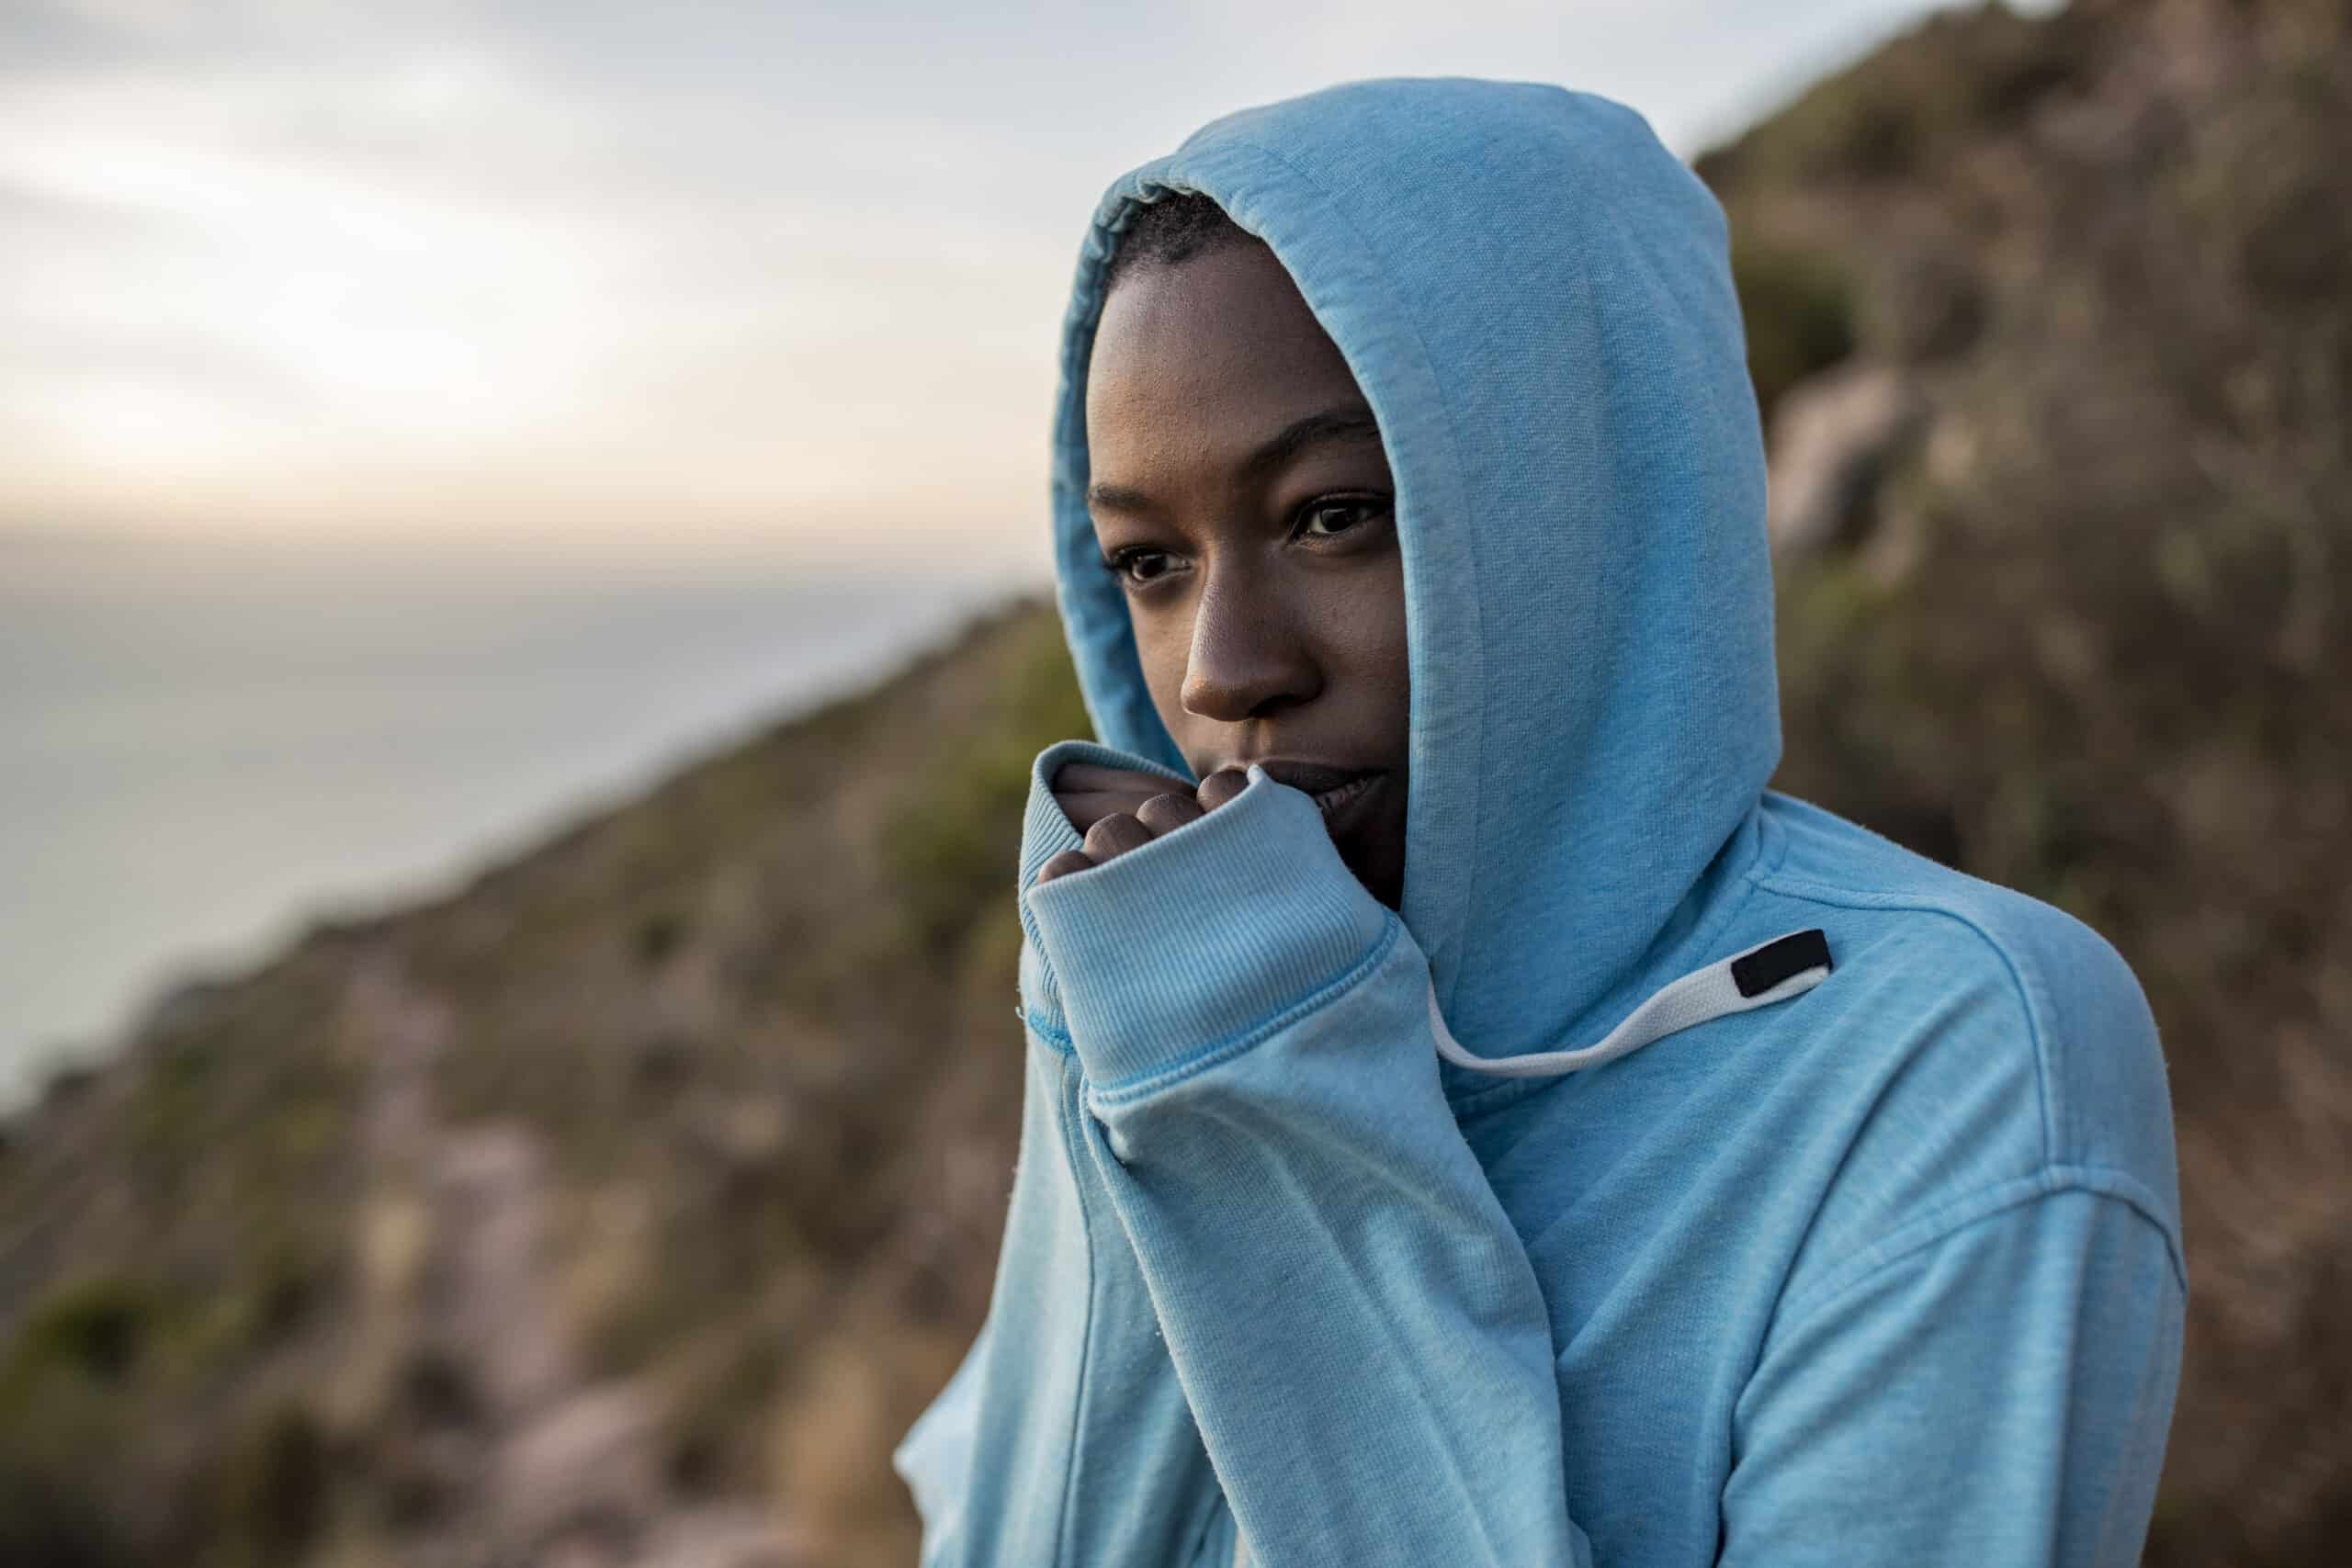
(1534, 295)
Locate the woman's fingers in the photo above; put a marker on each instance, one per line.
(1221, 786)
(1113, 836)
(1116, 822)
(1063, 864)
(1165, 813)
(1094, 775)
(1088, 793)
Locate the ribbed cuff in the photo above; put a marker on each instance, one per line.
(1045, 831)
(1201, 933)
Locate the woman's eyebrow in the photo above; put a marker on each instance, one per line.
(1125, 499)
(1352, 422)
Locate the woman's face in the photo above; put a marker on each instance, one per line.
(1241, 496)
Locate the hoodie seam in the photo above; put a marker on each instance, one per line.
(1874, 1258)
(1240, 1043)
(1068, 1104)
(1051, 1036)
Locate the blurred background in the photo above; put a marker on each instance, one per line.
(522, 626)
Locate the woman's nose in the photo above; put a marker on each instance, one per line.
(1249, 659)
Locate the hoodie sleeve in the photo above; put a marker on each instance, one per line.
(1356, 1326)
(1063, 1440)
(1994, 1387)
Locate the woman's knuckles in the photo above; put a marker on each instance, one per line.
(1119, 810)
(1222, 786)
(1115, 835)
(1063, 864)
(1167, 812)
(1086, 804)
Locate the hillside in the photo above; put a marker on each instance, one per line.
(624, 1206)
(630, 1201)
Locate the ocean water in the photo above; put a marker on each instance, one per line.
(206, 742)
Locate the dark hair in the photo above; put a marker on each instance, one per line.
(1172, 229)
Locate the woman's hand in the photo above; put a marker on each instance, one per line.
(1119, 810)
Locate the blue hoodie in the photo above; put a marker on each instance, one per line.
(1684, 1174)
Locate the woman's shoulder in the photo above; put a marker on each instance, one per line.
(1985, 1040)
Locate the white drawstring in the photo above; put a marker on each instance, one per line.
(1774, 971)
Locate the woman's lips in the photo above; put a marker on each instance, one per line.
(1332, 802)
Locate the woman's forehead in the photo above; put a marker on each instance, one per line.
(1214, 356)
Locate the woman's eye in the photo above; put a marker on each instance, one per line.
(1326, 518)
(1140, 566)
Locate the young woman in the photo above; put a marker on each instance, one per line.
(1470, 1119)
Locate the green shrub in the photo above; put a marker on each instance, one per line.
(954, 844)
(96, 1328)
(1800, 313)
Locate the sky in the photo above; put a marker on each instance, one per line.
(590, 269)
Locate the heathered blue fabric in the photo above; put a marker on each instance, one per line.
(1889, 1273)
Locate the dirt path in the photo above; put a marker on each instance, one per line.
(519, 1460)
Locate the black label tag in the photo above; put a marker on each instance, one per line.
(1768, 967)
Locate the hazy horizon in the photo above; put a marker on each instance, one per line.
(205, 746)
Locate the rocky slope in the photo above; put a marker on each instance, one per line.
(624, 1207)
